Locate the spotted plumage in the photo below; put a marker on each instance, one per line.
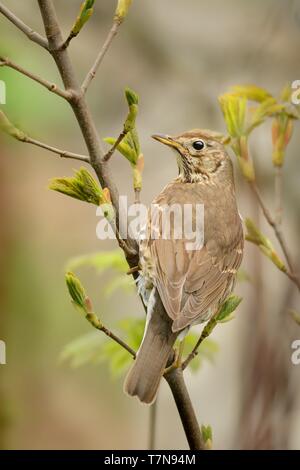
(190, 284)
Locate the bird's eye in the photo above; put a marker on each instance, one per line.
(198, 145)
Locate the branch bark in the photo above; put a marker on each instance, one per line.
(278, 195)
(5, 62)
(278, 233)
(185, 409)
(30, 33)
(95, 322)
(88, 129)
(61, 153)
(92, 73)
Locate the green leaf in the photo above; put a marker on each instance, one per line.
(207, 435)
(251, 92)
(86, 10)
(266, 109)
(228, 307)
(206, 432)
(124, 148)
(82, 186)
(76, 290)
(234, 111)
(131, 96)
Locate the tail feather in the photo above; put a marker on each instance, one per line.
(144, 376)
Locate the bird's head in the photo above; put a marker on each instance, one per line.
(201, 154)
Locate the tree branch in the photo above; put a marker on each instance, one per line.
(185, 408)
(78, 103)
(91, 137)
(30, 33)
(278, 195)
(152, 425)
(5, 62)
(204, 334)
(278, 233)
(96, 323)
(112, 150)
(92, 73)
(62, 153)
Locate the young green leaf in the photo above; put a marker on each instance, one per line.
(82, 186)
(251, 92)
(234, 111)
(124, 148)
(76, 291)
(228, 307)
(207, 435)
(86, 10)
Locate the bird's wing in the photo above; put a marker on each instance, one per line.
(191, 283)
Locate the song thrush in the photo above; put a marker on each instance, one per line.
(190, 284)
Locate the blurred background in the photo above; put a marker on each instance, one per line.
(179, 56)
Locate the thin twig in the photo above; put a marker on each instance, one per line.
(204, 334)
(137, 196)
(92, 73)
(4, 61)
(95, 322)
(278, 232)
(278, 195)
(61, 153)
(30, 33)
(111, 151)
(122, 244)
(152, 425)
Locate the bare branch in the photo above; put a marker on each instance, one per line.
(152, 425)
(4, 61)
(92, 73)
(96, 323)
(62, 153)
(278, 195)
(30, 33)
(278, 232)
(204, 334)
(114, 147)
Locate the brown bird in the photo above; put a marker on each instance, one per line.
(190, 283)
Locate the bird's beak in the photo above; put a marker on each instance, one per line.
(167, 140)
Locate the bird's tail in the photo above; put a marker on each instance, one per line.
(144, 376)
